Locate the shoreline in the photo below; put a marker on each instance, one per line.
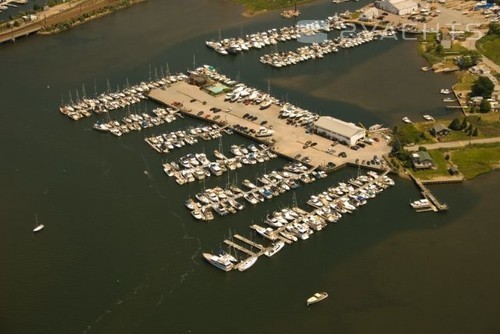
(62, 17)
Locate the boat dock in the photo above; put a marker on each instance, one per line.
(250, 242)
(436, 205)
(303, 223)
(240, 248)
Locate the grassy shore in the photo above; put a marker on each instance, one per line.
(253, 6)
(489, 46)
(476, 159)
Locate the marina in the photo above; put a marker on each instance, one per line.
(289, 225)
(320, 49)
(166, 142)
(268, 186)
(274, 124)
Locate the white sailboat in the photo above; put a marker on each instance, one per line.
(38, 226)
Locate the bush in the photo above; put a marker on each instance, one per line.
(455, 124)
(485, 106)
(422, 148)
(482, 87)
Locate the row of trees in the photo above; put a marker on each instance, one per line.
(463, 125)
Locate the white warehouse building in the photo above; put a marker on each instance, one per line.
(342, 131)
(398, 7)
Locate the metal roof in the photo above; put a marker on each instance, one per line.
(336, 125)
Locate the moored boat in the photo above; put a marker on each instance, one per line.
(247, 263)
(275, 248)
(317, 297)
(219, 261)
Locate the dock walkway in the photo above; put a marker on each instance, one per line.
(436, 205)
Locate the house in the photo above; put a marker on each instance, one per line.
(439, 130)
(333, 128)
(421, 160)
(398, 7)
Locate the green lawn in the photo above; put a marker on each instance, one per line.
(257, 5)
(489, 46)
(477, 159)
(465, 81)
(441, 166)
(408, 133)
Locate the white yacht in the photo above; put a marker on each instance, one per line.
(219, 261)
(421, 204)
(428, 117)
(406, 120)
(445, 91)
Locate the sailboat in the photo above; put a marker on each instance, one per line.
(38, 226)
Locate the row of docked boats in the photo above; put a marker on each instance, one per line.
(258, 40)
(109, 101)
(318, 50)
(227, 201)
(137, 122)
(166, 142)
(288, 225)
(236, 45)
(197, 166)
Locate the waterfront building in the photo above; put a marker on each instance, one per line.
(333, 128)
(439, 130)
(398, 7)
(422, 160)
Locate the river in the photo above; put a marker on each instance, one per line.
(121, 254)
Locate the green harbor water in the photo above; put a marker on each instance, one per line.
(121, 254)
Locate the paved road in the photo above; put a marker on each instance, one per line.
(454, 144)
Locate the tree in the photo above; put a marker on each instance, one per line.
(468, 58)
(464, 123)
(474, 132)
(455, 124)
(483, 86)
(485, 106)
(422, 148)
(494, 29)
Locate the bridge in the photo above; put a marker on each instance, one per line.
(14, 33)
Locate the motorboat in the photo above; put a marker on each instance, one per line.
(222, 262)
(275, 248)
(428, 117)
(421, 204)
(445, 91)
(317, 297)
(247, 263)
(406, 120)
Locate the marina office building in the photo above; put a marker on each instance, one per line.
(398, 7)
(336, 129)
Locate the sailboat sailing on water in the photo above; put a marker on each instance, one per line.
(38, 226)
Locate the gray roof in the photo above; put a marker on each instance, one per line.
(422, 156)
(336, 125)
(438, 127)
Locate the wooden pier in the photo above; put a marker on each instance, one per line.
(250, 242)
(435, 204)
(240, 248)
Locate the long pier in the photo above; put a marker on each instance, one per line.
(250, 242)
(436, 205)
(240, 248)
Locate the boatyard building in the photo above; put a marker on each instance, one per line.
(398, 7)
(333, 128)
